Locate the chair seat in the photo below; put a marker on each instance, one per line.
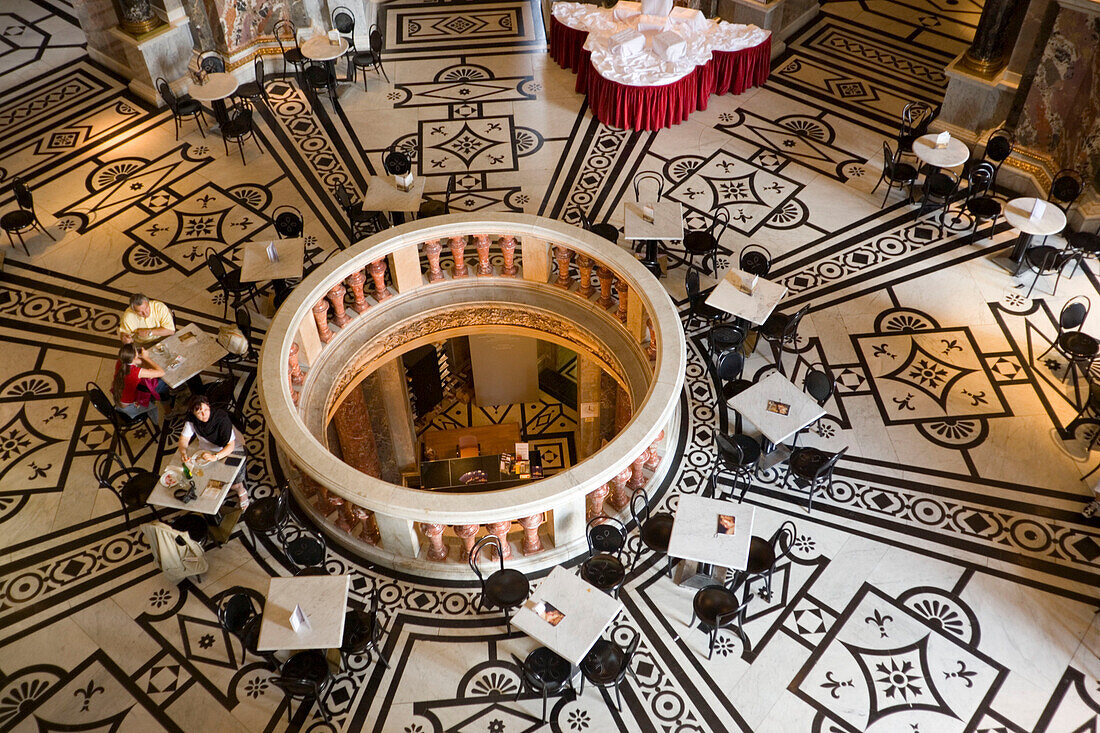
(604, 571)
(755, 263)
(712, 602)
(750, 448)
(544, 668)
(1039, 256)
(761, 556)
(1086, 242)
(363, 58)
(318, 76)
(188, 106)
(656, 531)
(235, 128)
(506, 588)
(309, 665)
(735, 387)
(306, 551)
(940, 185)
(1078, 345)
(805, 462)
(194, 525)
(135, 492)
(358, 630)
(604, 662)
(699, 242)
(294, 56)
(250, 634)
(773, 327)
(984, 207)
(314, 570)
(607, 231)
(262, 515)
(16, 220)
(249, 89)
(903, 173)
(431, 207)
(726, 337)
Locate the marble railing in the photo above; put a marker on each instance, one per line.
(509, 271)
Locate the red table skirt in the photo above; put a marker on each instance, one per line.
(654, 107)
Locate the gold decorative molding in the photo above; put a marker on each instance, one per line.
(1035, 163)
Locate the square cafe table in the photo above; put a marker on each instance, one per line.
(695, 537)
(324, 600)
(668, 224)
(204, 503)
(587, 612)
(197, 349)
(256, 267)
(752, 404)
(382, 194)
(754, 307)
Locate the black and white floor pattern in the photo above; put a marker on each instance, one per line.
(948, 585)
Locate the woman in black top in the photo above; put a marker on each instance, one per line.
(214, 431)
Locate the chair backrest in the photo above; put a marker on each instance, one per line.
(244, 323)
(216, 265)
(980, 180)
(104, 470)
(22, 194)
(1065, 188)
(396, 163)
(1074, 313)
(605, 534)
(342, 196)
(583, 216)
(729, 453)
(722, 216)
(888, 159)
(999, 146)
(755, 260)
(236, 610)
(258, 70)
(166, 93)
(819, 384)
(915, 118)
(242, 115)
(212, 63)
(376, 42)
(288, 222)
(791, 329)
(827, 467)
(296, 686)
(475, 555)
(691, 285)
(283, 29)
(295, 538)
(642, 516)
(783, 539)
(730, 365)
(343, 21)
(101, 402)
(648, 176)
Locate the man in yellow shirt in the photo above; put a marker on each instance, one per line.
(145, 321)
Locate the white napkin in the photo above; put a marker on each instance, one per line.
(657, 7)
(652, 22)
(669, 45)
(693, 19)
(626, 43)
(625, 10)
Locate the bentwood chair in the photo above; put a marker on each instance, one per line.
(236, 125)
(997, 149)
(304, 548)
(739, 455)
(819, 385)
(764, 555)
(363, 632)
(121, 422)
(814, 467)
(781, 331)
(755, 260)
(113, 475)
(356, 216)
(718, 607)
(212, 63)
(24, 218)
(654, 530)
(1065, 189)
(980, 202)
(1084, 245)
(607, 664)
(240, 614)
(305, 677)
(228, 279)
(704, 242)
(604, 566)
(257, 89)
(545, 673)
(895, 174)
(374, 55)
(181, 107)
(504, 588)
(1047, 260)
(727, 336)
(268, 514)
(697, 307)
(938, 189)
(1078, 348)
(915, 119)
(605, 230)
(292, 52)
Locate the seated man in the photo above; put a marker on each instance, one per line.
(145, 321)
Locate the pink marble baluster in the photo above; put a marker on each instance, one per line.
(355, 284)
(432, 249)
(369, 533)
(620, 494)
(654, 458)
(624, 294)
(500, 529)
(467, 532)
(563, 255)
(484, 267)
(595, 503)
(605, 276)
(320, 315)
(584, 265)
(378, 273)
(532, 543)
(296, 376)
(351, 516)
(293, 392)
(327, 503)
(336, 297)
(437, 550)
(508, 248)
(637, 478)
(651, 347)
(458, 252)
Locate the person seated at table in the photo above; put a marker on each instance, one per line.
(145, 322)
(217, 438)
(137, 387)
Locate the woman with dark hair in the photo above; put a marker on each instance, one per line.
(137, 386)
(217, 438)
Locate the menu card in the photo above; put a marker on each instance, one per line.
(298, 620)
(648, 214)
(1038, 210)
(404, 182)
(942, 139)
(745, 284)
(334, 37)
(779, 408)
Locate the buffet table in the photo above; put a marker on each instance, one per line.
(643, 90)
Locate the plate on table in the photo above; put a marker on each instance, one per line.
(172, 477)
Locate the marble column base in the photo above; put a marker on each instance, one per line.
(163, 53)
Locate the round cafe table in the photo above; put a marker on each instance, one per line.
(955, 154)
(320, 48)
(215, 88)
(1018, 214)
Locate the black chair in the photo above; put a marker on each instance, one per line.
(980, 202)
(195, 526)
(607, 664)
(997, 149)
(605, 230)
(938, 189)
(228, 279)
(132, 486)
(292, 55)
(434, 207)
(363, 632)
(723, 337)
(396, 163)
(212, 63)
(369, 59)
(705, 241)
(236, 126)
(504, 588)
(243, 320)
(306, 677)
(654, 530)
(819, 384)
(604, 566)
(915, 119)
(240, 614)
(121, 422)
(717, 607)
(755, 260)
(1046, 260)
(739, 455)
(1077, 348)
(288, 222)
(697, 307)
(24, 218)
(764, 555)
(356, 215)
(781, 330)
(895, 174)
(544, 672)
(638, 179)
(1084, 245)
(731, 365)
(1065, 189)
(181, 107)
(320, 76)
(814, 467)
(254, 90)
(304, 548)
(344, 22)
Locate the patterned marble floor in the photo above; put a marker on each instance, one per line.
(947, 586)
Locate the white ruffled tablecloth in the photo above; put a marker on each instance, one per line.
(701, 38)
